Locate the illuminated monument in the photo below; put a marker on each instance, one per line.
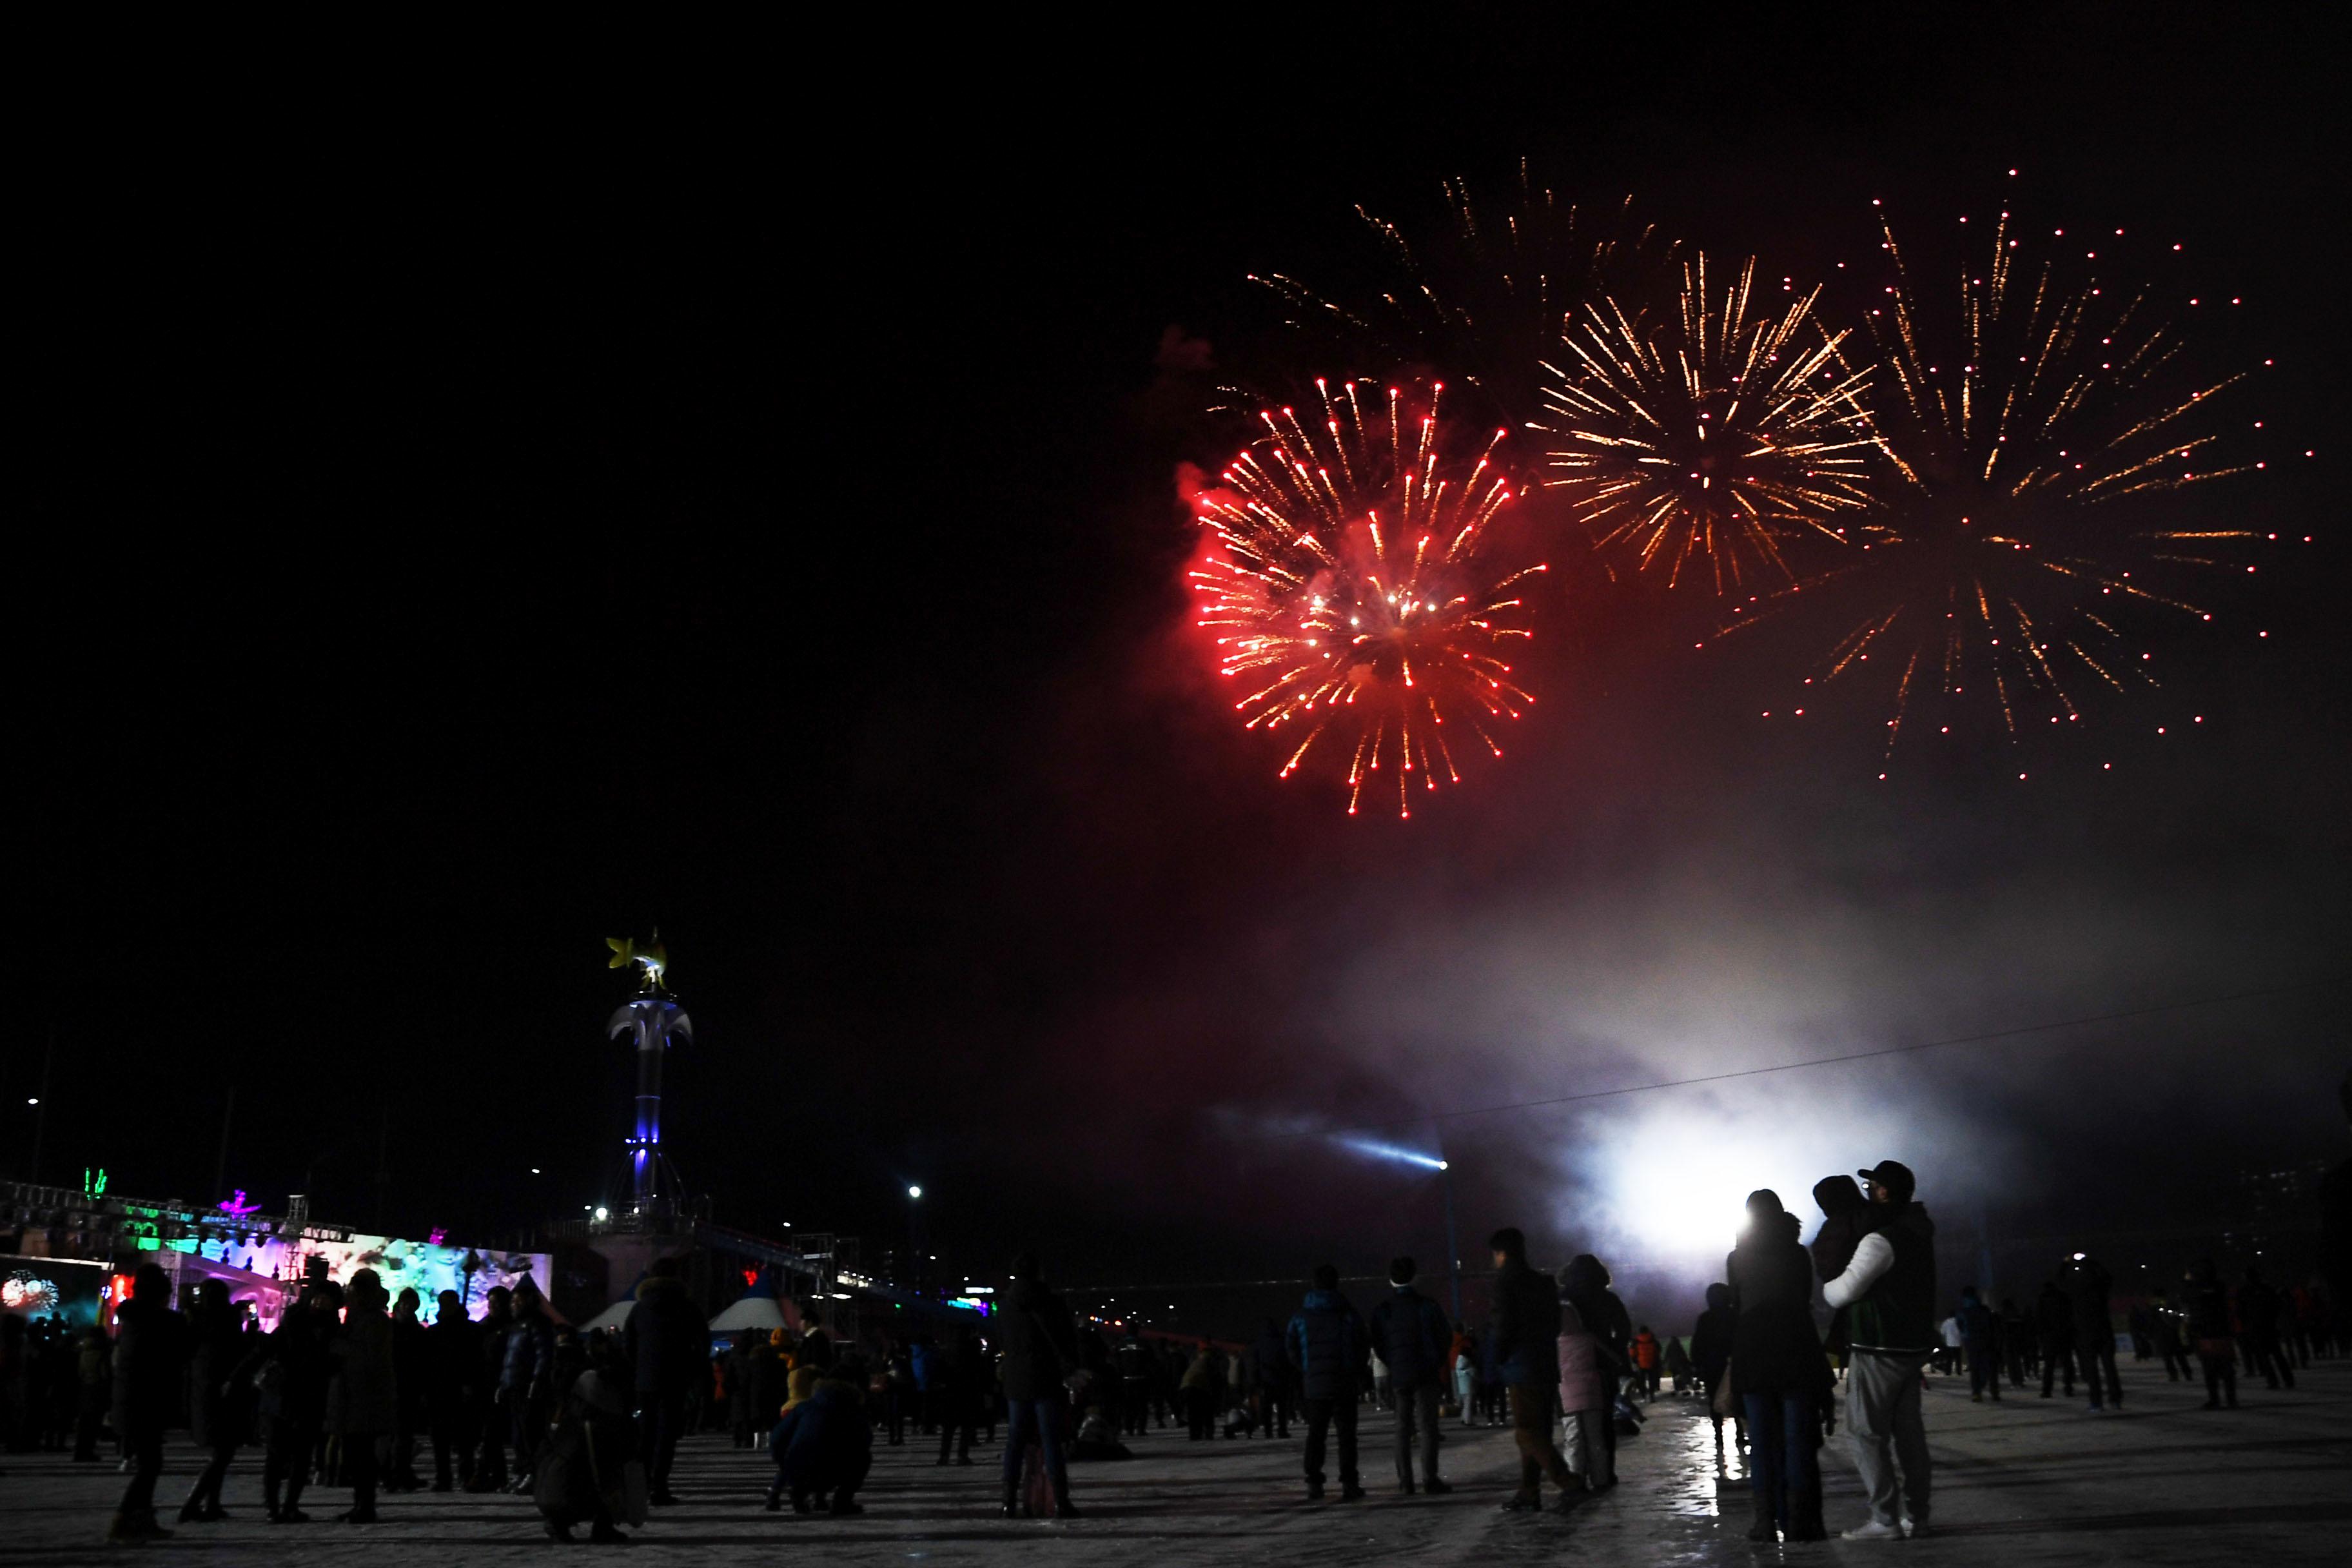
(651, 1018)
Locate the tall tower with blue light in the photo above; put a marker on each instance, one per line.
(650, 1020)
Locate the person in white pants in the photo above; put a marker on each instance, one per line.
(1891, 1287)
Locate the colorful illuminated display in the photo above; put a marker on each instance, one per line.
(68, 1289)
(428, 1269)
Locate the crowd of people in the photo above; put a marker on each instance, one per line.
(353, 1389)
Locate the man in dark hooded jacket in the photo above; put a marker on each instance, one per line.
(1891, 1286)
(1525, 1342)
(1329, 1353)
(668, 1343)
(1040, 1349)
(1845, 1220)
(2087, 1287)
(1410, 1333)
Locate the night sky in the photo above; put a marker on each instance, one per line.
(478, 510)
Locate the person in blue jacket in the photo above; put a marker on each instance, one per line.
(1330, 1352)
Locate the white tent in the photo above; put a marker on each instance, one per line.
(612, 1317)
(759, 1312)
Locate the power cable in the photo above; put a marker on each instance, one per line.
(1427, 1117)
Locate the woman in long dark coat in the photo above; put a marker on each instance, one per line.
(1778, 1370)
(368, 1384)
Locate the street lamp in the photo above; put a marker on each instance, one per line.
(915, 1247)
(1377, 1150)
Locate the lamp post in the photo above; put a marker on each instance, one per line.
(1453, 1247)
(914, 1237)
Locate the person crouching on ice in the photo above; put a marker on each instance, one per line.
(823, 1448)
(582, 1474)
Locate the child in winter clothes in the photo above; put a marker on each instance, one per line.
(1584, 1402)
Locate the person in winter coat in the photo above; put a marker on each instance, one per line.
(770, 1371)
(1584, 1283)
(1133, 1364)
(1464, 1355)
(1328, 1348)
(1203, 1381)
(2258, 1316)
(1783, 1376)
(149, 1361)
(527, 1379)
(823, 1448)
(2207, 1304)
(668, 1343)
(453, 1360)
(2169, 1333)
(958, 1392)
(1040, 1349)
(2016, 1340)
(2087, 1288)
(1525, 1337)
(1645, 1361)
(490, 1417)
(1845, 1219)
(217, 1413)
(291, 1372)
(583, 1467)
(2053, 1330)
(1981, 1338)
(410, 1379)
(738, 1369)
(367, 1389)
(1409, 1333)
(93, 1391)
(1710, 1353)
(1269, 1382)
(1584, 1403)
(1891, 1286)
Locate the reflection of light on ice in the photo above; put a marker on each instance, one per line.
(1700, 1477)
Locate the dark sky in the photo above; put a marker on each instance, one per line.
(468, 512)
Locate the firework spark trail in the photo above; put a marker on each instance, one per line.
(1347, 584)
(1484, 290)
(2029, 412)
(1717, 438)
